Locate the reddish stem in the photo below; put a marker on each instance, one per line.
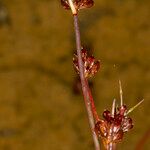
(88, 99)
(111, 146)
(96, 117)
(143, 140)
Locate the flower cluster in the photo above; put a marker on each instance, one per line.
(78, 4)
(112, 128)
(91, 66)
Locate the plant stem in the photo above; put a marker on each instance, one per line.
(143, 140)
(111, 146)
(89, 103)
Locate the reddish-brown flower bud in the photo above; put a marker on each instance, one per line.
(101, 128)
(78, 4)
(91, 66)
(122, 110)
(107, 115)
(127, 124)
(118, 135)
(65, 4)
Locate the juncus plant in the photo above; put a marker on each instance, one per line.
(109, 129)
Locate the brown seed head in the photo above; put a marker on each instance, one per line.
(78, 4)
(112, 128)
(91, 66)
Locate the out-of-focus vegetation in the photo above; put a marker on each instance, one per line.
(38, 109)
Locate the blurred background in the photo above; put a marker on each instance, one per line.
(41, 106)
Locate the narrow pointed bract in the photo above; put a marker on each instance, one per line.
(131, 109)
(121, 93)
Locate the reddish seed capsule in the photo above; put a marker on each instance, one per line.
(86, 4)
(107, 115)
(118, 136)
(122, 109)
(65, 4)
(101, 128)
(127, 124)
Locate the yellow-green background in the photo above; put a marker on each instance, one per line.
(38, 109)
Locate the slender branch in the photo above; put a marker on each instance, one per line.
(85, 88)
